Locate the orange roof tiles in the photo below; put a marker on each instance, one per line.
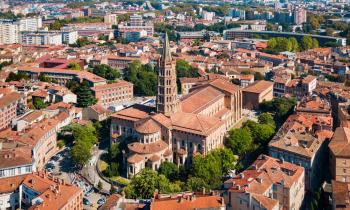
(187, 203)
(258, 86)
(11, 184)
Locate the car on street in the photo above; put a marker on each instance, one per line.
(101, 201)
(86, 201)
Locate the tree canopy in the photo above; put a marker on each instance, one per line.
(144, 78)
(240, 141)
(280, 44)
(85, 96)
(74, 66)
(106, 72)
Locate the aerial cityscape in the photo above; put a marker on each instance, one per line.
(175, 104)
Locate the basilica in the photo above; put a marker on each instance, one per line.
(177, 129)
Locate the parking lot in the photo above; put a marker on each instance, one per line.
(61, 165)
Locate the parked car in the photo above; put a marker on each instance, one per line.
(101, 201)
(86, 201)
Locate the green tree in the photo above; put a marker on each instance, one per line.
(143, 185)
(17, 77)
(112, 170)
(74, 66)
(196, 184)
(44, 78)
(239, 141)
(106, 72)
(113, 151)
(169, 170)
(258, 76)
(329, 31)
(81, 42)
(85, 96)
(266, 118)
(143, 77)
(261, 133)
(38, 103)
(214, 166)
(112, 190)
(184, 69)
(81, 153)
(307, 43)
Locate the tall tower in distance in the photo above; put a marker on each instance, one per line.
(167, 102)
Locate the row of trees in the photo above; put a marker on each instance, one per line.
(206, 172)
(280, 44)
(58, 24)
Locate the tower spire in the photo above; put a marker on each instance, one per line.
(167, 102)
(166, 49)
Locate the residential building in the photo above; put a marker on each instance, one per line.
(114, 93)
(301, 87)
(69, 36)
(40, 38)
(268, 183)
(299, 15)
(302, 140)
(42, 191)
(95, 112)
(257, 93)
(15, 159)
(246, 80)
(10, 192)
(208, 15)
(111, 19)
(62, 76)
(340, 195)
(30, 23)
(339, 155)
(314, 105)
(188, 201)
(8, 32)
(11, 105)
(10, 29)
(136, 23)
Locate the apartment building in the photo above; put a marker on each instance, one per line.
(40, 38)
(10, 29)
(113, 93)
(15, 159)
(111, 19)
(268, 183)
(43, 191)
(302, 140)
(8, 32)
(62, 76)
(11, 105)
(137, 23)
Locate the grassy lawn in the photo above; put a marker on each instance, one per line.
(120, 180)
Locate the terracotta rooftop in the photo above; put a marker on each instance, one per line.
(150, 148)
(11, 184)
(120, 83)
(18, 156)
(187, 202)
(262, 174)
(258, 86)
(147, 126)
(199, 99)
(9, 98)
(340, 143)
(341, 195)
